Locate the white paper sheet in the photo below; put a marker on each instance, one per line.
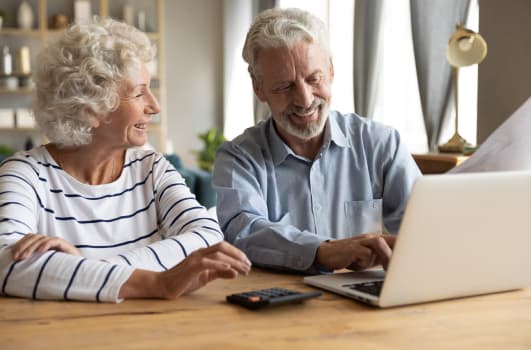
(507, 148)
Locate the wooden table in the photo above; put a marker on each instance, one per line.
(438, 163)
(203, 320)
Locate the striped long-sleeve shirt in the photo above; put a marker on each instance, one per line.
(146, 219)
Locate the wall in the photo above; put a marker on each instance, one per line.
(505, 74)
(193, 44)
(195, 76)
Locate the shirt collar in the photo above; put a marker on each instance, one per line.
(333, 132)
(280, 151)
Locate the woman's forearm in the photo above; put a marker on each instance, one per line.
(141, 284)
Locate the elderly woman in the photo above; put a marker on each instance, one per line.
(89, 216)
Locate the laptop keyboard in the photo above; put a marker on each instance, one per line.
(373, 287)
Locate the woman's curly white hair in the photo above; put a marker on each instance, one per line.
(78, 76)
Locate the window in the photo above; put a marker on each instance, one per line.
(397, 97)
(398, 101)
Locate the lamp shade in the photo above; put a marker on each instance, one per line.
(465, 48)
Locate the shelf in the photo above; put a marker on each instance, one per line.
(52, 31)
(42, 31)
(19, 32)
(28, 90)
(19, 130)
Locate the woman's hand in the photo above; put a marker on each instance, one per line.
(202, 266)
(36, 243)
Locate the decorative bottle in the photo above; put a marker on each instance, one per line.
(25, 15)
(7, 62)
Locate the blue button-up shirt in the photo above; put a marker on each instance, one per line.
(278, 207)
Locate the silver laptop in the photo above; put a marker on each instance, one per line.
(461, 235)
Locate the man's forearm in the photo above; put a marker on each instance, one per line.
(285, 250)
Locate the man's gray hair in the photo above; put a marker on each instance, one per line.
(282, 28)
(79, 74)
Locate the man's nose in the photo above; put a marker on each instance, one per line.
(303, 96)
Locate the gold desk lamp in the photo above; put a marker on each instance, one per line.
(465, 48)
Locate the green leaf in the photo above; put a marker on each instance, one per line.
(212, 139)
(6, 150)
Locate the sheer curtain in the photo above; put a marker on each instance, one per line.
(237, 87)
(397, 101)
(241, 109)
(261, 109)
(432, 23)
(367, 29)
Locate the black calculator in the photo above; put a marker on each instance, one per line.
(257, 299)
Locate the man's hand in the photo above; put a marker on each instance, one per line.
(202, 266)
(356, 253)
(36, 243)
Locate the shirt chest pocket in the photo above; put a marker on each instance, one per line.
(363, 216)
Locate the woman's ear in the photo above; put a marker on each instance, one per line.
(95, 122)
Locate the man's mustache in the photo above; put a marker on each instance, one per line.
(294, 109)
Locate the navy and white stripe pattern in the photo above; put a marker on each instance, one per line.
(146, 219)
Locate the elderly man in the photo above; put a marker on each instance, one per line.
(289, 188)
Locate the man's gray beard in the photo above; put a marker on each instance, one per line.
(308, 131)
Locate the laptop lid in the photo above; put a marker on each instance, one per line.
(461, 235)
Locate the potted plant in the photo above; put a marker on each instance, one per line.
(5, 152)
(212, 139)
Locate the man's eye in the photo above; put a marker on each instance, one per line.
(139, 95)
(281, 89)
(315, 80)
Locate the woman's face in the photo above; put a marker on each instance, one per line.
(128, 125)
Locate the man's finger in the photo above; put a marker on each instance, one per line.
(380, 247)
(389, 239)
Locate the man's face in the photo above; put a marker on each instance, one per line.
(295, 82)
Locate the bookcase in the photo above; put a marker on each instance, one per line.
(16, 100)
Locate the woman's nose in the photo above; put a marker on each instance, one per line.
(152, 106)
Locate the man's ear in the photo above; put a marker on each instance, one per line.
(331, 70)
(258, 90)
